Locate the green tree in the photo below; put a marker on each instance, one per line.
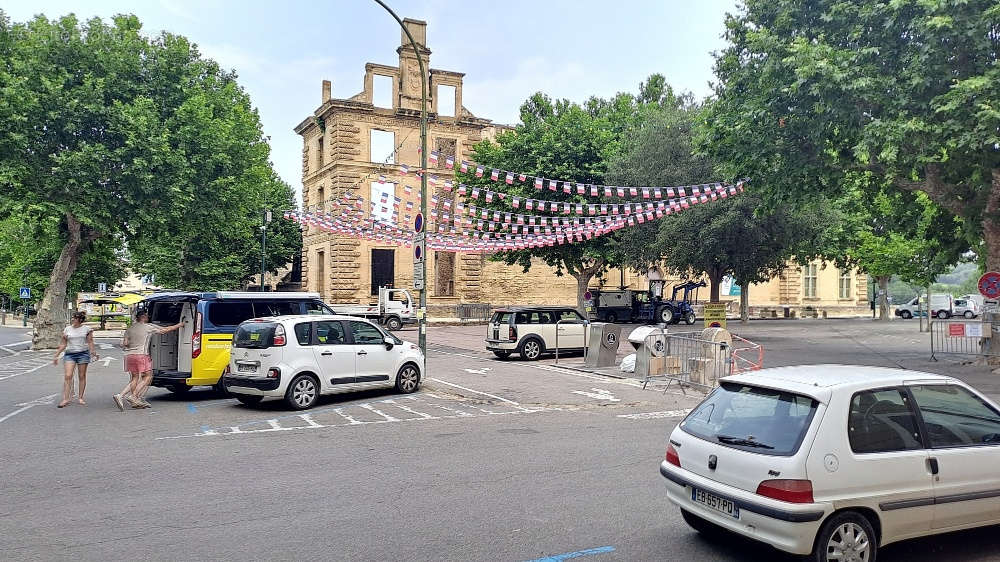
(124, 138)
(808, 93)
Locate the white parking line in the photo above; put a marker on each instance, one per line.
(44, 400)
(475, 391)
(12, 375)
(656, 415)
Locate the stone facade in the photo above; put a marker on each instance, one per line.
(337, 159)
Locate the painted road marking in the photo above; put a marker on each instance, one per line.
(346, 416)
(476, 391)
(656, 415)
(25, 367)
(44, 400)
(599, 394)
(577, 554)
(482, 371)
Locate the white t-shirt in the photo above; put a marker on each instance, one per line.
(76, 338)
(138, 335)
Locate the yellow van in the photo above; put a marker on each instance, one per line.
(198, 353)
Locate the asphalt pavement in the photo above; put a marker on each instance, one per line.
(490, 460)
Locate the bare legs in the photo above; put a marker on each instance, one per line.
(81, 370)
(68, 367)
(143, 385)
(133, 382)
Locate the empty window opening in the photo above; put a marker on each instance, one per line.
(382, 146)
(446, 101)
(383, 269)
(384, 205)
(382, 91)
(445, 148)
(320, 197)
(319, 152)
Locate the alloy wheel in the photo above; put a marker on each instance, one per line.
(304, 392)
(531, 349)
(849, 543)
(407, 379)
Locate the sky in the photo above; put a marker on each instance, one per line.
(508, 50)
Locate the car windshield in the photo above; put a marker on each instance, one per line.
(762, 420)
(254, 335)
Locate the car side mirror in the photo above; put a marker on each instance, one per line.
(389, 342)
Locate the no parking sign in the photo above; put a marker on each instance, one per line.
(989, 285)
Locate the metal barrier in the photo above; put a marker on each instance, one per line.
(480, 312)
(586, 333)
(976, 337)
(687, 360)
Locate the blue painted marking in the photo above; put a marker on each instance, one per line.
(206, 429)
(192, 408)
(577, 554)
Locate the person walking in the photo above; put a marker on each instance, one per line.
(78, 343)
(138, 363)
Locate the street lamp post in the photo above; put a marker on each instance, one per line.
(24, 322)
(422, 313)
(263, 244)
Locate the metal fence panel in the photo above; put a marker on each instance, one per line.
(686, 359)
(976, 337)
(475, 312)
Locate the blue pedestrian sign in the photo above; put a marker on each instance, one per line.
(26, 293)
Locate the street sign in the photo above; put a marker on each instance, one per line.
(102, 287)
(419, 248)
(418, 223)
(989, 285)
(715, 315)
(26, 293)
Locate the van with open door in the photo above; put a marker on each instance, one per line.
(198, 353)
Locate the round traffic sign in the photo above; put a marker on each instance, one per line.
(418, 223)
(587, 296)
(989, 284)
(715, 324)
(418, 252)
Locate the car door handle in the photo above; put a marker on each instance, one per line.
(362, 352)
(327, 353)
(933, 464)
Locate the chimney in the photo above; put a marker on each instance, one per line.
(327, 87)
(418, 29)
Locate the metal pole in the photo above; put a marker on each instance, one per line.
(422, 312)
(24, 322)
(265, 218)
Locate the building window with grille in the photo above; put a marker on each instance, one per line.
(845, 284)
(319, 152)
(444, 148)
(444, 274)
(809, 276)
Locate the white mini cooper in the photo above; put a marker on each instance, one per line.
(298, 358)
(835, 461)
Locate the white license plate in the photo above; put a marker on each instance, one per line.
(246, 368)
(712, 501)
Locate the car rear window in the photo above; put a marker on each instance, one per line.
(750, 418)
(229, 313)
(263, 309)
(500, 318)
(254, 335)
(166, 312)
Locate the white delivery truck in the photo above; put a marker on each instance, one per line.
(941, 306)
(394, 308)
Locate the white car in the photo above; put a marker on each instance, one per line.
(966, 307)
(835, 461)
(531, 331)
(299, 358)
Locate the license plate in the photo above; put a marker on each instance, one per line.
(712, 501)
(246, 368)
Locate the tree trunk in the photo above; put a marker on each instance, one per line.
(716, 281)
(745, 303)
(883, 298)
(51, 318)
(582, 283)
(991, 224)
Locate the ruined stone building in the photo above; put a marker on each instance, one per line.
(345, 145)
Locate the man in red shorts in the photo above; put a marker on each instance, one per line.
(137, 360)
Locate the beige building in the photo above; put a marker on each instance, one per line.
(360, 145)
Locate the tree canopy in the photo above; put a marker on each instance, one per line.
(135, 141)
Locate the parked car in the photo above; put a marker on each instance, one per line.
(941, 307)
(530, 331)
(966, 308)
(198, 353)
(836, 461)
(299, 358)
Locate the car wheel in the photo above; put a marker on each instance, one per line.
(942, 314)
(689, 318)
(531, 349)
(302, 393)
(408, 379)
(906, 314)
(666, 315)
(179, 388)
(847, 536)
(393, 324)
(969, 314)
(611, 317)
(502, 354)
(703, 526)
(248, 399)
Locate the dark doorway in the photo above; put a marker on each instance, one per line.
(383, 269)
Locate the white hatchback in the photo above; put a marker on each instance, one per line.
(299, 358)
(835, 461)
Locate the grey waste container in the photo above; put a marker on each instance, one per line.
(649, 342)
(603, 347)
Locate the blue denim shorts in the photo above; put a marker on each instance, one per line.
(78, 357)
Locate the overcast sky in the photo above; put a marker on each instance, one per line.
(508, 50)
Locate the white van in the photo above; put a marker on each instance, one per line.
(942, 306)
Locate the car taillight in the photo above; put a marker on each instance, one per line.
(672, 456)
(196, 337)
(279, 335)
(794, 491)
(511, 333)
(273, 373)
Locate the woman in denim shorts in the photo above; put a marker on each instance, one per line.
(78, 342)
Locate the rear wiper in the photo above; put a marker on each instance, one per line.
(730, 440)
